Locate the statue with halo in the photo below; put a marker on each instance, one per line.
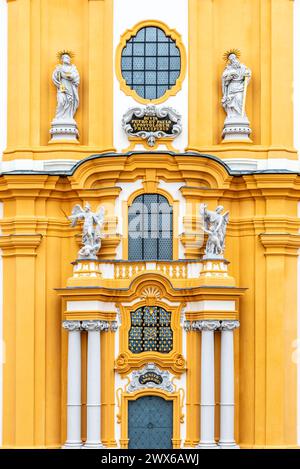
(66, 79)
(91, 234)
(214, 225)
(235, 81)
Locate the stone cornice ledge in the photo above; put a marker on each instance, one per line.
(280, 244)
(21, 245)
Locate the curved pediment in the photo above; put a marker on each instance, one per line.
(195, 169)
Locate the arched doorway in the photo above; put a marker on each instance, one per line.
(150, 423)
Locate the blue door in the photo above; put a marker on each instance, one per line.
(150, 423)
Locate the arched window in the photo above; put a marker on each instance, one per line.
(150, 228)
(150, 330)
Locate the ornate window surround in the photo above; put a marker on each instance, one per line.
(127, 361)
(132, 32)
(154, 326)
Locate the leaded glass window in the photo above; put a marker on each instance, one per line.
(150, 62)
(150, 330)
(150, 228)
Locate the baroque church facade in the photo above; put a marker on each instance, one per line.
(149, 191)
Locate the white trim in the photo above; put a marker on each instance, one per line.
(36, 165)
(252, 164)
(100, 306)
(210, 305)
(238, 164)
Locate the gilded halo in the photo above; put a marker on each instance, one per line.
(62, 52)
(237, 52)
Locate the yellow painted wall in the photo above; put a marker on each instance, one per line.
(262, 245)
(38, 245)
(263, 31)
(38, 29)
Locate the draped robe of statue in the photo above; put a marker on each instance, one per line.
(66, 79)
(235, 81)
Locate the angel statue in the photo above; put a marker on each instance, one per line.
(214, 224)
(91, 234)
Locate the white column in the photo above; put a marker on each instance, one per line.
(94, 383)
(227, 386)
(74, 385)
(207, 425)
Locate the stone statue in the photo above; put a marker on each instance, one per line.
(66, 79)
(91, 234)
(214, 224)
(235, 80)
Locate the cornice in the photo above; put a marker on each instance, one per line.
(21, 245)
(280, 244)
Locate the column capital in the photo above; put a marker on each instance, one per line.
(95, 326)
(205, 325)
(71, 325)
(187, 326)
(229, 325)
(114, 326)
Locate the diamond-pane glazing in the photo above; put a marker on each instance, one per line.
(150, 330)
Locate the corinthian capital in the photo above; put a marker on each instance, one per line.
(95, 326)
(114, 326)
(205, 325)
(229, 325)
(71, 325)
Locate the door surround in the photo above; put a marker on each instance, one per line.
(176, 397)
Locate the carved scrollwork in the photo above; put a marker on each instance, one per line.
(72, 325)
(95, 325)
(136, 124)
(150, 376)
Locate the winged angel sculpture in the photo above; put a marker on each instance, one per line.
(91, 234)
(214, 224)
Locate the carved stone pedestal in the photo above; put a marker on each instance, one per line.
(236, 129)
(215, 273)
(85, 273)
(64, 131)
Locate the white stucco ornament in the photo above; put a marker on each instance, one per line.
(214, 225)
(66, 79)
(91, 233)
(151, 123)
(235, 81)
(149, 377)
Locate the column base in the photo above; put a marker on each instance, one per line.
(207, 446)
(95, 445)
(72, 445)
(229, 445)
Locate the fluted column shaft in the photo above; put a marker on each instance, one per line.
(207, 421)
(74, 385)
(94, 329)
(227, 385)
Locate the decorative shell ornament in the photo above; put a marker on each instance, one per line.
(151, 293)
(227, 54)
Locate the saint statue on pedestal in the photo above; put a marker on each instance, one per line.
(235, 81)
(66, 79)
